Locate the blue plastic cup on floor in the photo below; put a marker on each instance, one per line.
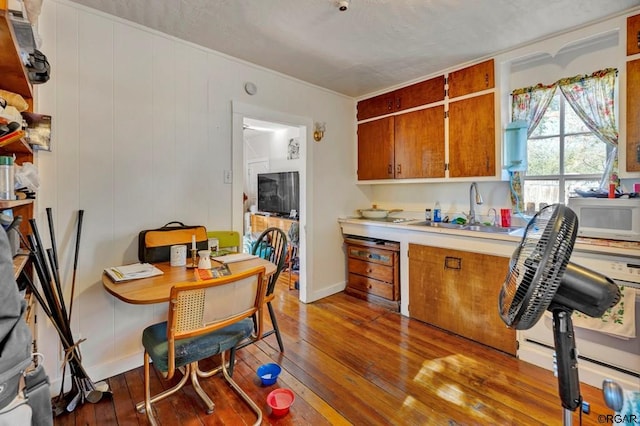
(268, 373)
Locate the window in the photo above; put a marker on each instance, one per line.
(573, 138)
(563, 154)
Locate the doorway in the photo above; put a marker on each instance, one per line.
(280, 144)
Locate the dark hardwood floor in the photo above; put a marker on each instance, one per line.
(351, 362)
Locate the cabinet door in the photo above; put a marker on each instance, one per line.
(375, 149)
(633, 35)
(376, 106)
(419, 143)
(418, 94)
(458, 291)
(633, 116)
(471, 79)
(472, 137)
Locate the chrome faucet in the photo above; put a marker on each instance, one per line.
(479, 201)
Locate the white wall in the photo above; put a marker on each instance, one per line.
(142, 133)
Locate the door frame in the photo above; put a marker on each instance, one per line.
(240, 111)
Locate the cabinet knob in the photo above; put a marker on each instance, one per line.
(390, 170)
(389, 105)
(399, 169)
(486, 79)
(398, 103)
(638, 39)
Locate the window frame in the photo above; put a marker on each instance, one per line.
(561, 177)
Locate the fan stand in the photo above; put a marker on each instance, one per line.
(566, 361)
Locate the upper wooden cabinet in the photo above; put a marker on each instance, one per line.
(419, 144)
(472, 144)
(376, 149)
(423, 93)
(633, 96)
(404, 146)
(471, 79)
(633, 35)
(412, 145)
(633, 116)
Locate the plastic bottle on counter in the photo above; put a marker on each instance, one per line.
(427, 214)
(437, 212)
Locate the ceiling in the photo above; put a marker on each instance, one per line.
(373, 45)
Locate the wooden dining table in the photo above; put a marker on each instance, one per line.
(156, 289)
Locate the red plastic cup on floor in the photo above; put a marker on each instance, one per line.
(505, 218)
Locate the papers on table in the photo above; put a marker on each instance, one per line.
(132, 272)
(238, 257)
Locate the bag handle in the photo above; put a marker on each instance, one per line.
(176, 222)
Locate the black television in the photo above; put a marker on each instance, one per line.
(279, 193)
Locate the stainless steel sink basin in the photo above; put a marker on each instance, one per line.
(439, 225)
(476, 228)
(489, 228)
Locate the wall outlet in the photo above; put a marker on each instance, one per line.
(228, 176)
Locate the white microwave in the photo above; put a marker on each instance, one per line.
(609, 218)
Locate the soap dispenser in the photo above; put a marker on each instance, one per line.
(437, 212)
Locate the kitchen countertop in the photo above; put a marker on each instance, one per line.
(594, 245)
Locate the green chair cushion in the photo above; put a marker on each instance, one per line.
(154, 340)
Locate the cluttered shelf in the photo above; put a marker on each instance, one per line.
(14, 77)
(10, 204)
(19, 262)
(15, 142)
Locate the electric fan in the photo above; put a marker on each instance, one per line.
(541, 278)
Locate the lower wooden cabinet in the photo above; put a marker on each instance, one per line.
(458, 291)
(373, 271)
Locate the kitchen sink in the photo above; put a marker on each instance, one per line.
(439, 225)
(490, 228)
(476, 228)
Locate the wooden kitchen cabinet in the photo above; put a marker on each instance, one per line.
(472, 137)
(409, 145)
(419, 144)
(373, 270)
(633, 35)
(376, 149)
(633, 95)
(414, 145)
(415, 95)
(474, 78)
(458, 291)
(633, 116)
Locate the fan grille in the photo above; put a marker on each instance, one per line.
(537, 266)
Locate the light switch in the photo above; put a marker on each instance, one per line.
(228, 176)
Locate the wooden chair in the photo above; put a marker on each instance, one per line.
(272, 246)
(205, 318)
(228, 241)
